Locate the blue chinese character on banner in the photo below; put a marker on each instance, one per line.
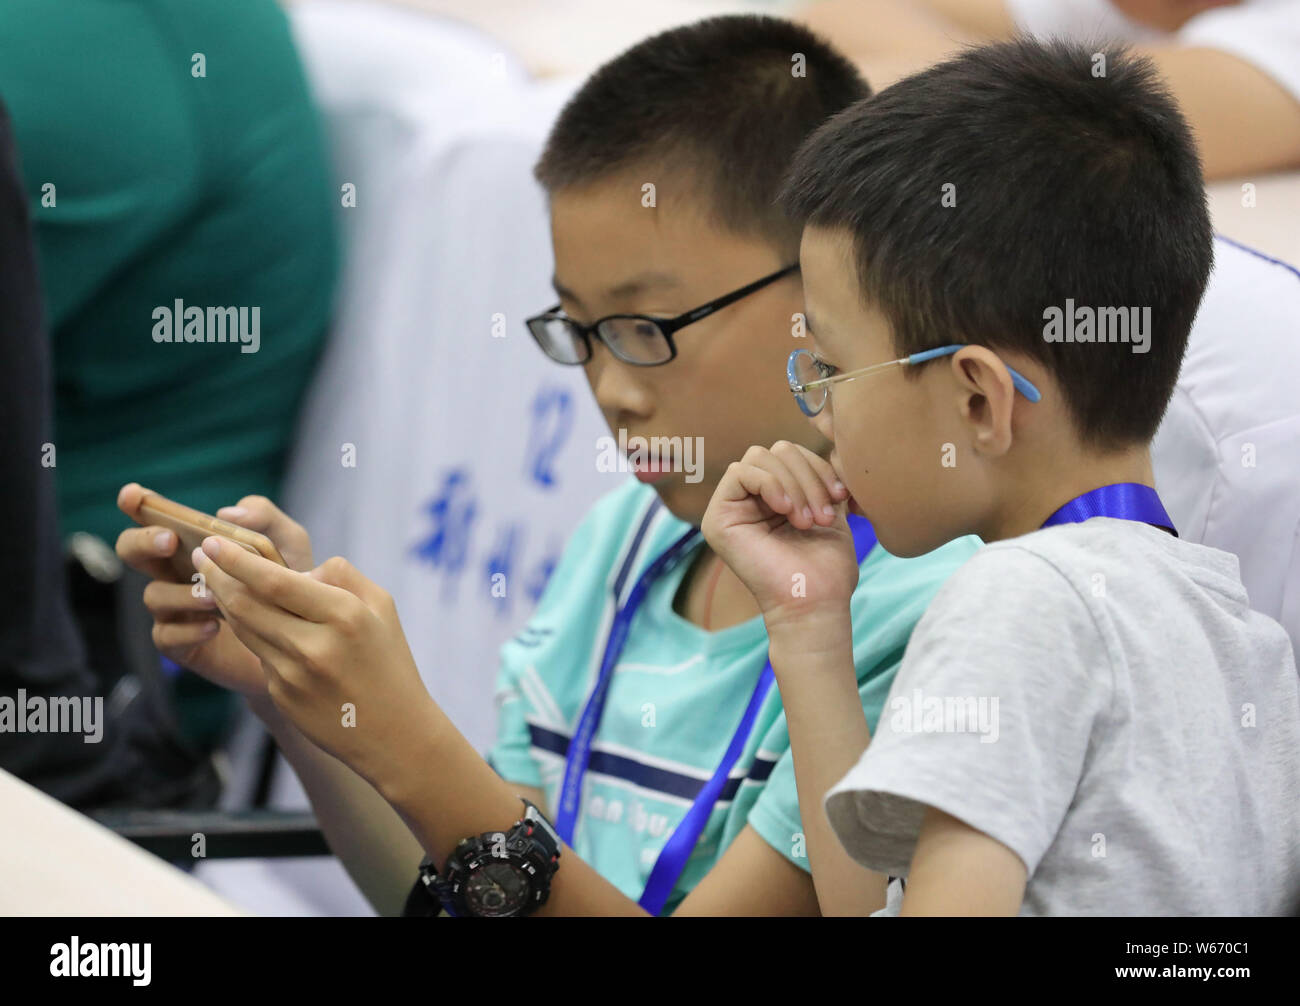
(552, 420)
(452, 511)
(541, 575)
(499, 563)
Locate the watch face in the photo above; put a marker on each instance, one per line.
(496, 889)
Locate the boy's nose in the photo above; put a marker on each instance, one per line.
(619, 387)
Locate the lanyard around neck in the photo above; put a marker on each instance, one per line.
(677, 850)
(1122, 500)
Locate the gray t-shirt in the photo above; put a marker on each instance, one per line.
(1099, 698)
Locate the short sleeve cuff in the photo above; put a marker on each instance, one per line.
(781, 832)
(877, 809)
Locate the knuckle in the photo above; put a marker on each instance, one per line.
(274, 590)
(132, 544)
(163, 635)
(349, 619)
(151, 595)
(276, 687)
(161, 597)
(308, 653)
(236, 604)
(316, 656)
(385, 601)
(296, 678)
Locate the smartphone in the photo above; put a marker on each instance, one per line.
(192, 526)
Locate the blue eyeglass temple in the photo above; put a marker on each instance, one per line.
(1018, 381)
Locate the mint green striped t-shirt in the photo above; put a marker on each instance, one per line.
(677, 695)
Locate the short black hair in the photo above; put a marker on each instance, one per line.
(722, 103)
(1075, 177)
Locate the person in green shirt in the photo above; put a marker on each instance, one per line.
(175, 164)
(171, 152)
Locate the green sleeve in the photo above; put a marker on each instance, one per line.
(775, 815)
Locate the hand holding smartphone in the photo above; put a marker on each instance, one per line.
(192, 526)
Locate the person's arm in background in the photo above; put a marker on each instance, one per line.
(888, 39)
(1245, 121)
(375, 847)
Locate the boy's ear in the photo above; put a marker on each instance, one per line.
(985, 397)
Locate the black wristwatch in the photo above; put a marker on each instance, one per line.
(498, 874)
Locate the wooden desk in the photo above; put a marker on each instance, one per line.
(54, 861)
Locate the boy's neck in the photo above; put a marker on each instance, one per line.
(1049, 486)
(712, 596)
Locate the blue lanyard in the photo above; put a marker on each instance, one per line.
(1123, 500)
(677, 850)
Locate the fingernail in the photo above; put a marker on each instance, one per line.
(839, 487)
(785, 498)
(828, 510)
(212, 545)
(209, 629)
(162, 541)
(196, 557)
(207, 600)
(233, 511)
(807, 514)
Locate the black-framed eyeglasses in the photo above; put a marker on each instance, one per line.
(637, 339)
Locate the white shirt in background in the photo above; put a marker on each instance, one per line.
(1263, 33)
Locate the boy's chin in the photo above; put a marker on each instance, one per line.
(687, 501)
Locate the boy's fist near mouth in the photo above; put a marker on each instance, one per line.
(777, 519)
